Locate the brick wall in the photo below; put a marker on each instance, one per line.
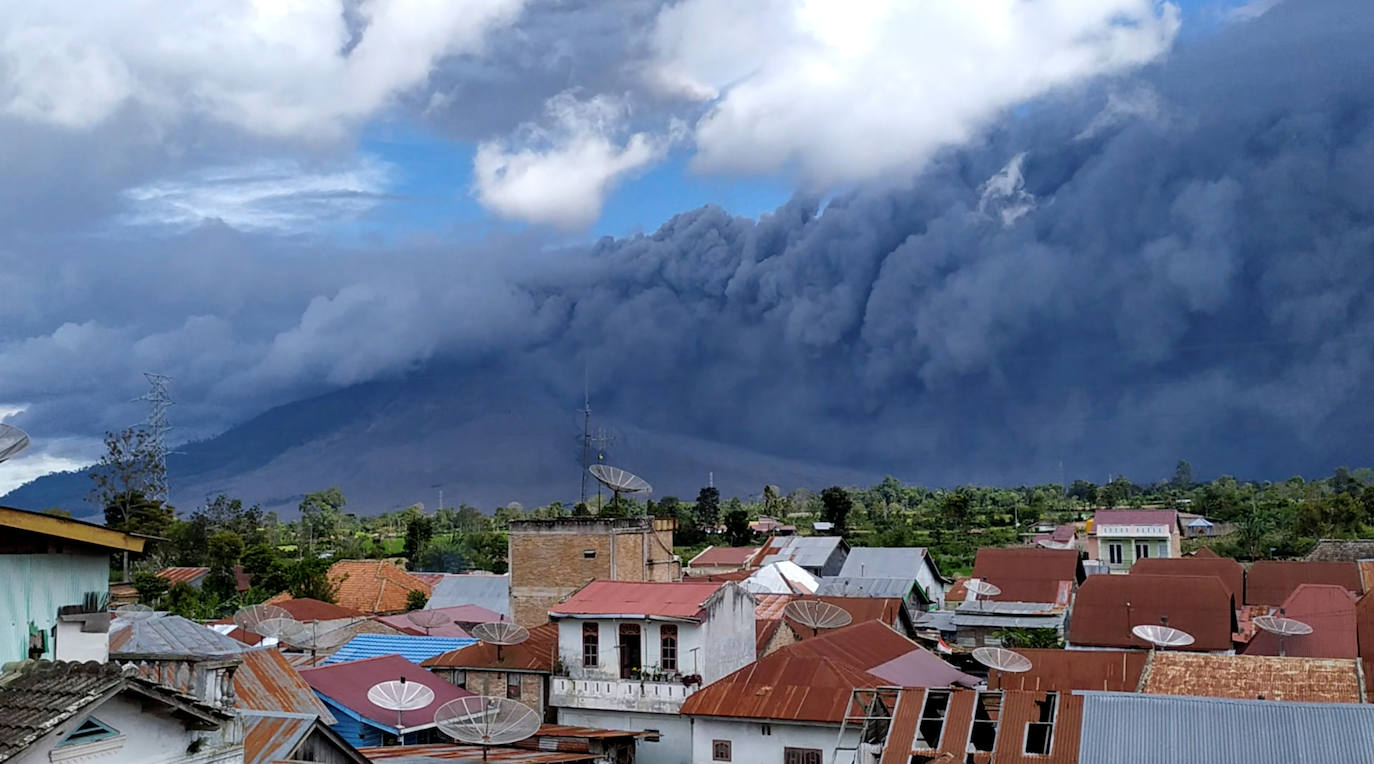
(494, 683)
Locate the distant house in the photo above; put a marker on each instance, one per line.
(195, 577)
(1036, 588)
(1058, 537)
(343, 688)
(520, 672)
(1342, 550)
(775, 630)
(1108, 607)
(782, 577)
(631, 653)
(1269, 582)
(485, 590)
(721, 559)
(821, 556)
(771, 527)
(1119, 537)
(375, 587)
(898, 563)
(64, 566)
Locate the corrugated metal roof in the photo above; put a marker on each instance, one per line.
(1329, 610)
(373, 586)
(1107, 607)
(422, 754)
(998, 621)
(806, 551)
(269, 738)
(921, 668)
(713, 556)
(413, 649)
(183, 575)
(266, 681)
(346, 684)
(486, 590)
(1121, 728)
(1063, 670)
(1231, 573)
(684, 599)
(1318, 680)
(841, 586)
(781, 577)
(1167, 517)
(1269, 582)
(884, 562)
(1027, 574)
(534, 654)
(169, 634)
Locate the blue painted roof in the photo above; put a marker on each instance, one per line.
(413, 649)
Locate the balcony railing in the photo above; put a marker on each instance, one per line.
(620, 694)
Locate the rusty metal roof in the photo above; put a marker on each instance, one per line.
(534, 654)
(1254, 677)
(269, 738)
(1015, 710)
(417, 754)
(194, 576)
(169, 635)
(1231, 573)
(373, 586)
(1063, 670)
(1107, 607)
(1028, 574)
(1329, 610)
(266, 681)
(1269, 582)
(640, 599)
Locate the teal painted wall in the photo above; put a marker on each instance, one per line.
(34, 586)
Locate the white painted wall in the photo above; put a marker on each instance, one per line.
(73, 644)
(146, 738)
(675, 732)
(750, 746)
(933, 586)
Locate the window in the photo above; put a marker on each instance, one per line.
(1114, 554)
(667, 649)
(512, 685)
(720, 750)
(460, 679)
(801, 756)
(983, 736)
(89, 731)
(1040, 734)
(1142, 550)
(765, 729)
(589, 554)
(591, 644)
(933, 717)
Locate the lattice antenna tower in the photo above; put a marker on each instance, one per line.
(159, 400)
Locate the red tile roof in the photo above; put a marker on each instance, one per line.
(534, 654)
(266, 681)
(1065, 670)
(684, 599)
(1028, 574)
(1313, 680)
(719, 556)
(373, 586)
(1269, 582)
(1231, 573)
(347, 684)
(1108, 606)
(1167, 517)
(1329, 610)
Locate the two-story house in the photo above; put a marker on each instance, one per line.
(1119, 537)
(630, 653)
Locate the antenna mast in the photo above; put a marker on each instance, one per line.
(586, 437)
(159, 401)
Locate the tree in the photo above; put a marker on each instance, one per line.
(418, 533)
(707, 510)
(130, 470)
(837, 505)
(151, 587)
(1029, 638)
(444, 555)
(223, 551)
(1183, 476)
(321, 514)
(667, 507)
(416, 599)
(486, 551)
(956, 508)
(1084, 491)
(308, 577)
(774, 505)
(737, 529)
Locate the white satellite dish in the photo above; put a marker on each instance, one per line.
(618, 480)
(1052, 544)
(252, 618)
(817, 615)
(428, 619)
(1002, 659)
(134, 612)
(1162, 636)
(400, 696)
(280, 629)
(311, 638)
(486, 720)
(13, 441)
(500, 633)
(980, 588)
(1283, 628)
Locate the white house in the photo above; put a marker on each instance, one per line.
(630, 654)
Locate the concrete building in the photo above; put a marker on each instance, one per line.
(519, 672)
(1119, 537)
(59, 612)
(630, 654)
(551, 559)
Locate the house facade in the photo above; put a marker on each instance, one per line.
(1119, 537)
(630, 654)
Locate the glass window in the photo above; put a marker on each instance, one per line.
(1142, 550)
(667, 648)
(720, 750)
(1114, 554)
(512, 685)
(591, 644)
(801, 756)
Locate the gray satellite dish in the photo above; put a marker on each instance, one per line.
(1162, 636)
(1002, 659)
(252, 618)
(134, 612)
(817, 615)
(1052, 544)
(400, 696)
(980, 588)
(13, 441)
(1283, 628)
(428, 619)
(500, 633)
(311, 638)
(485, 720)
(280, 629)
(618, 480)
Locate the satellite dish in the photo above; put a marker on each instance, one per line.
(311, 638)
(400, 696)
(280, 629)
(1052, 544)
(263, 620)
(1283, 628)
(13, 441)
(1002, 659)
(1162, 636)
(486, 720)
(618, 480)
(980, 588)
(500, 633)
(428, 619)
(134, 612)
(817, 615)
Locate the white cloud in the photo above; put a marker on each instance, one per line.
(845, 92)
(561, 174)
(1005, 194)
(1251, 10)
(279, 195)
(271, 67)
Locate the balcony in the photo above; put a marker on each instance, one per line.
(645, 696)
